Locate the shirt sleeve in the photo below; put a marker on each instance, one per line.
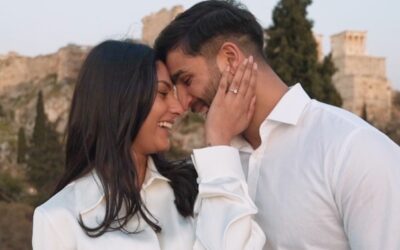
(367, 190)
(44, 235)
(224, 211)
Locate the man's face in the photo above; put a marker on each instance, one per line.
(196, 79)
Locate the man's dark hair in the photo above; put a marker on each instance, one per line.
(202, 29)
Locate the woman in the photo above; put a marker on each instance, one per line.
(117, 192)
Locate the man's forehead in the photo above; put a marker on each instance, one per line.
(177, 62)
(175, 54)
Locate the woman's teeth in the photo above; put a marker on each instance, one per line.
(165, 125)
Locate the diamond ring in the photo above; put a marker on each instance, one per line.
(235, 91)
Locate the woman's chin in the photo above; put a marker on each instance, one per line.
(164, 148)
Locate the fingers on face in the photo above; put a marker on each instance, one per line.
(251, 88)
(235, 84)
(247, 75)
(244, 78)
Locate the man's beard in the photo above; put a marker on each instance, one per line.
(212, 87)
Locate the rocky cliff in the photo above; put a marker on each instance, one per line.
(21, 78)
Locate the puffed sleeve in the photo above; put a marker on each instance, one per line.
(224, 210)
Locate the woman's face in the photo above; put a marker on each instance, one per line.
(153, 136)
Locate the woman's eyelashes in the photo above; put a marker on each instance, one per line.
(163, 93)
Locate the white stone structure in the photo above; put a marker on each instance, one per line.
(360, 78)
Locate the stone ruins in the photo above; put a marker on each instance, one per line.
(154, 23)
(360, 78)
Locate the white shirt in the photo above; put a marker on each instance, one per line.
(322, 178)
(223, 213)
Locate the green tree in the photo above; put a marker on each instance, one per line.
(329, 93)
(292, 52)
(364, 113)
(39, 130)
(2, 112)
(45, 157)
(22, 147)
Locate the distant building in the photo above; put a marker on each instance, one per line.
(360, 78)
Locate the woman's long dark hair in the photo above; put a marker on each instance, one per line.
(112, 98)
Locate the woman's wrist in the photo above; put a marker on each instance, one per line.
(217, 139)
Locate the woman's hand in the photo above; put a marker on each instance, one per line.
(233, 106)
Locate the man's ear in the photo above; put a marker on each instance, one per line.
(229, 54)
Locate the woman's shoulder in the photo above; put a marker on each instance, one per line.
(62, 202)
(75, 197)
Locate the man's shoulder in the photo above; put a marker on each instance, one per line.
(335, 117)
(333, 126)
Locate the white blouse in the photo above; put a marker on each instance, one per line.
(223, 212)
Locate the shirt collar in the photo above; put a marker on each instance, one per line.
(290, 107)
(90, 193)
(152, 174)
(288, 110)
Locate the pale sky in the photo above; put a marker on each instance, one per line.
(43, 26)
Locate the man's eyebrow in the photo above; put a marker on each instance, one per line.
(169, 85)
(176, 76)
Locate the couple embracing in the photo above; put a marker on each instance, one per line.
(280, 170)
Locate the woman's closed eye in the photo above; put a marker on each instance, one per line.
(163, 93)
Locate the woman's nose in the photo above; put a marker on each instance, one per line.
(176, 107)
(184, 97)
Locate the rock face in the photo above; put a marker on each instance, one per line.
(16, 69)
(361, 79)
(21, 78)
(154, 23)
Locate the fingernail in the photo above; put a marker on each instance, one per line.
(251, 59)
(245, 61)
(255, 66)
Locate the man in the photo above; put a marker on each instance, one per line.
(321, 177)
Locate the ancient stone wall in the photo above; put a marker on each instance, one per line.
(360, 78)
(65, 64)
(154, 23)
(70, 59)
(16, 69)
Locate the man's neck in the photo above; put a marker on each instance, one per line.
(269, 90)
